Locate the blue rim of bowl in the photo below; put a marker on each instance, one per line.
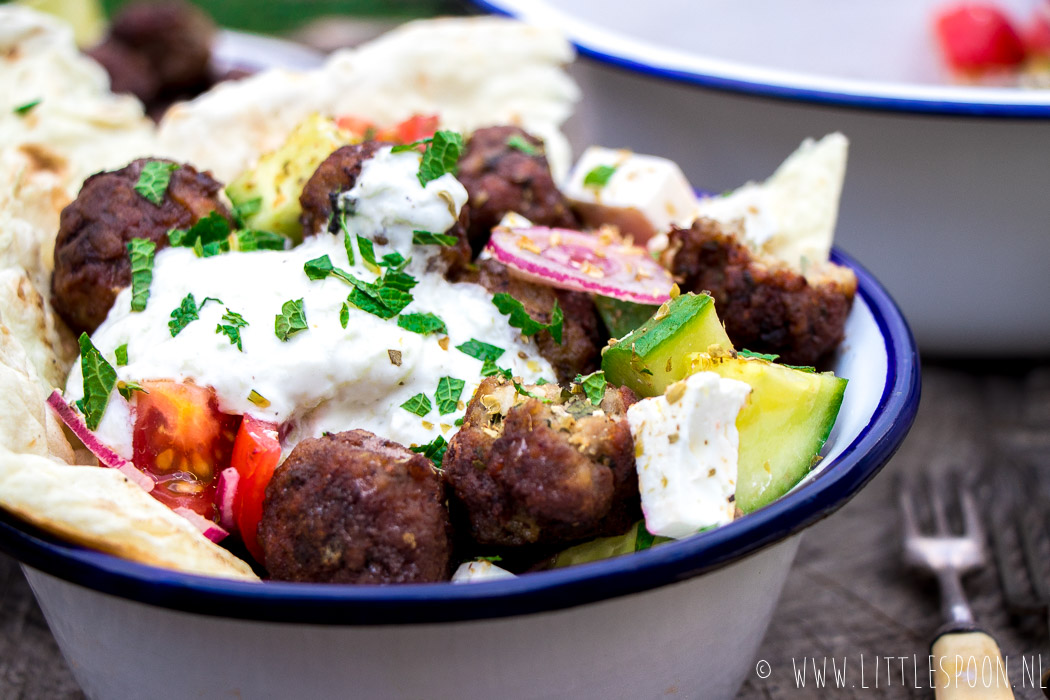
(533, 593)
(797, 93)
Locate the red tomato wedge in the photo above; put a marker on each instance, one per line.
(255, 455)
(415, 128)
(182, 441)
(977, 38)
(1037, 34)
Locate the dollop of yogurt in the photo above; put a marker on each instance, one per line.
(327, 377)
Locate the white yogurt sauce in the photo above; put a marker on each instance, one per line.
(325, 378)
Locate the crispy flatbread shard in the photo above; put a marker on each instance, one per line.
(101, 509)
(48, 345)
(473, 72)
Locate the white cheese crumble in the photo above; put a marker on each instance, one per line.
(480, 570)
(644, 196)
(325, 378)
(686, 447)
(792, 215)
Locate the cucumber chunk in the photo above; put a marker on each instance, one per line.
(608, 547)
(654, 356)
(783, 426)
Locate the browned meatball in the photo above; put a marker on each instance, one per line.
(91, 256)
(129, 70)
(355, 508)
(765, 305)
(501, 178)
(580, 349)
(529, 472)
(175, 37)
(338, 173)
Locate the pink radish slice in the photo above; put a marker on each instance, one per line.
(208, 528)
(225, 493)
(106, 456)
(599, 263)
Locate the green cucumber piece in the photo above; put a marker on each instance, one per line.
(783, 426)
(607, 547)
(654, 356)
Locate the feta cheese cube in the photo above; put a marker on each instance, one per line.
(686, 448)
(643, 196)
(479, 570)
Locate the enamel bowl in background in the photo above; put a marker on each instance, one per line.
(685, 617)
(946, 193)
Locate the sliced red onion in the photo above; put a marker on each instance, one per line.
(225, 493)
(208, 528)
(599, 263)
(106, 456)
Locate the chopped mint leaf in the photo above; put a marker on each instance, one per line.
(245, 209)
(492, 560)
(398, 280)
(525, 392)
(141, 250)
(394, 300)
(258, 399)
(249, 240)
(232, 328)
(441, 156)
(803, 368)
(520, 318)
(209, 236)
(428, 238)
(418, 404)
(291, 320)
(424, 324)
(183, 315)
(22, 110)
(481, 351)
(348, 242)
(368, 252)
(541, 381)
(99, 380)
(449, 390)
(344, 315)
(489, 368)
(458, 422)
(598, 177)
(153, 180)
(126, 389)
(433, 450)
(122, 355)
(402, 147)
(395, 262)
(518, 143)
(318, 268)
(643, 539)
(757, 355)
(593, 386)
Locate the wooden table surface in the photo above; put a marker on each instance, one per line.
(848, 595)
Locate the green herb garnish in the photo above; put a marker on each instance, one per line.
(449, 390)
(22, 110)
(525, 392)
(518, 142)
(348, 242)
(249, 240)
(318, 268)
(368, 252)
(99, 380)
(428, 238)
(208, 237)
(481, 351)
(424, 324)
(245, 209)
(258, 399)
(126, 389)
(492, 560)
(141, 250)
(643, 539)
(344, 315)
(520, 318)
(598, 177)
(122, 355)
(183, 315)
(153, 180)
(757, 355)
(232, 328)
(489, 368)
(802, 368)
(441, 156)
(395, 262)
(433, 450)
(418, 404)
(291, 320)
(593, 386)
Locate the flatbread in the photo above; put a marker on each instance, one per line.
(473, 72)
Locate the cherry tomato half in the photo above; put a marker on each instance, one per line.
(255, 455)
(977, 37)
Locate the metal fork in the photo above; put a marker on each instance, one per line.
(1021, 542)
(960, 649)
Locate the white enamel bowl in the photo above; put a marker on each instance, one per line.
(946, 190)
(686, 616)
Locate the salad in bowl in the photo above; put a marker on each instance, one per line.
(424, 349)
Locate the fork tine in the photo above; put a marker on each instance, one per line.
(905, 488)
(940, 513)
(971, 517)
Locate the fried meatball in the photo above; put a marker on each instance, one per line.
(174, 37)
(765, 305)
(130, 72)
(338, 173)
(355, 508)
(580, 349)
(528, 472)
(91, 255)
(501, 178)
